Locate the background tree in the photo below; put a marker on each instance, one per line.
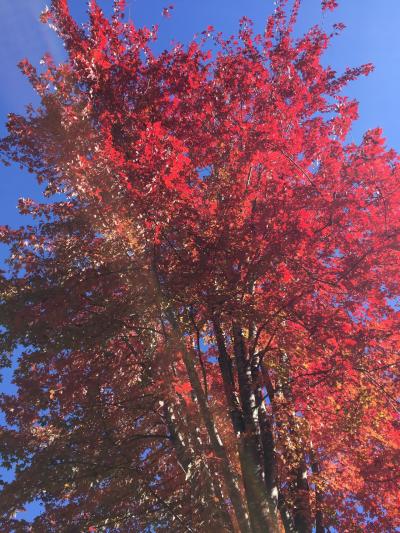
(207, 314)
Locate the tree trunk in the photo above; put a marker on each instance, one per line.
(250, 442)
(197, 473)
(215, 440)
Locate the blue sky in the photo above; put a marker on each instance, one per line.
(372, 35)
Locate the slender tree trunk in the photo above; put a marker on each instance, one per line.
(197, 473)
(286, 513)
(215, 440)
(251, 486)
(319, 516)
(250, 442)
(268, 444)
(302, 513)
(237, 418)
(212, 476)
(231, 395)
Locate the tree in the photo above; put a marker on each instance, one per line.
(207, 313)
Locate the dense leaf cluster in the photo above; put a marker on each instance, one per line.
(207, 322)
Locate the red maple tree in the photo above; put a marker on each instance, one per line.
(210, 339)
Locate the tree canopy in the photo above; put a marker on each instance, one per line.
(207, 313)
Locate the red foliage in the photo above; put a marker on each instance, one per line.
(210, 337)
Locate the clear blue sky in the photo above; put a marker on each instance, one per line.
(372, 35)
